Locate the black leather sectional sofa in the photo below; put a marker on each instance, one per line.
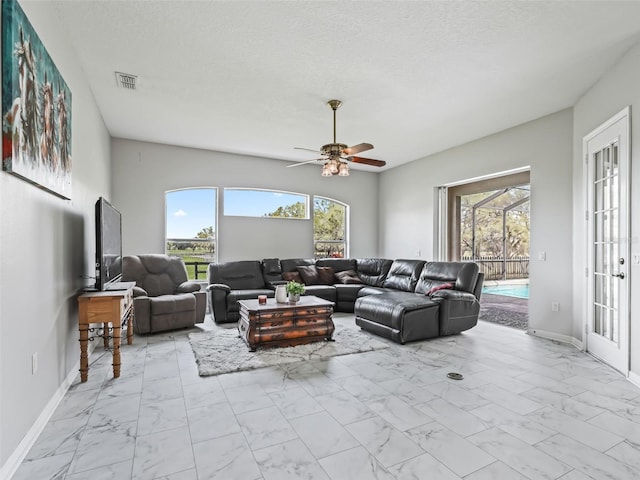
(403, 300)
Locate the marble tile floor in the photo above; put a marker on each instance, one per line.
(527, 408)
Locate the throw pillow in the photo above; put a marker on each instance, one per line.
(292, 276)
(325, 275)
(444, 286)
(347, 276)
(309, 274)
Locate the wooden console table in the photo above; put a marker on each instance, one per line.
(110, 307)
(285, 324)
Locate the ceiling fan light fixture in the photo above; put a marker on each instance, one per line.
(326, 170)
(334, 165)
(343, 170)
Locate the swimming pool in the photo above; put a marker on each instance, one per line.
(518, 291)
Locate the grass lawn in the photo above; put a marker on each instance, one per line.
(193, 257)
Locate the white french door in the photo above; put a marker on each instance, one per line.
(607, 162)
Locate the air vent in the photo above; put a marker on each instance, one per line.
(126, 80)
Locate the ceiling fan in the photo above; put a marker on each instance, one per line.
(336, 155)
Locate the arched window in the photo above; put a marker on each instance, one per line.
(330, 228)
(191, 228)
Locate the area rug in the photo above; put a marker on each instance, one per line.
(222, 351)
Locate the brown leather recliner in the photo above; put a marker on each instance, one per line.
(164, 299)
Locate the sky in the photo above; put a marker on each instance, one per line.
(257, 203)
(191, 210)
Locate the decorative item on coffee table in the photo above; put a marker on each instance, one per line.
(294, 290)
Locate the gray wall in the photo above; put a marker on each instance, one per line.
(617, 89)
(46, 246)
(143, 172)
(407, 206)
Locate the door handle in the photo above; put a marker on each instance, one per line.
(619, 275)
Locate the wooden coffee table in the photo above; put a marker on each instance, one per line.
(285, 324)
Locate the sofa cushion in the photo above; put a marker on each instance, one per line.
(156, 274)
(326, 292)
(373, 271)
(463, 275)
(326, 275)
(166, 304)
(291, 264)
(271, 270)
(347, 292)
(403, 275)
(312, 275)
(309, 274)
(292, 277)
(239, 275)
(158, 284)
(189, 287)
(389, 308)
(338, 264)
(369, 290)
(347, 276)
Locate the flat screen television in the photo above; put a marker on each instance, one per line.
(108, 245)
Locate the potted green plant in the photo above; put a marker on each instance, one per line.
(294, 290)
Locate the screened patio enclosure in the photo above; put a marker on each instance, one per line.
(494, 231)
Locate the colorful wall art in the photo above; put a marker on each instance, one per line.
(36, 107)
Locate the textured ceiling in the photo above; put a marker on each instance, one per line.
(415, 77)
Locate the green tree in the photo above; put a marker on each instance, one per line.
(207, 233)
(295, 210)
(328, 220)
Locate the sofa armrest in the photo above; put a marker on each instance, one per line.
(139, 292)
(142, 314)
(454, 295)
(458, 310)
(201, 305)
(219, 286)
(188, 287)
(218, 293)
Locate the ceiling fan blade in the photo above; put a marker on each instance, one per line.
(367, 161)
(361, 147)
(307, 149)
(304, 163)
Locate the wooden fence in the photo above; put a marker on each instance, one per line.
(500, 268)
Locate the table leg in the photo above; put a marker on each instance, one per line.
(130, 327)
(105, 335)
(84, 358)
(116, 349)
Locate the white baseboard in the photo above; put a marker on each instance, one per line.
(13, 462)
(556, 336)
(634, 378)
